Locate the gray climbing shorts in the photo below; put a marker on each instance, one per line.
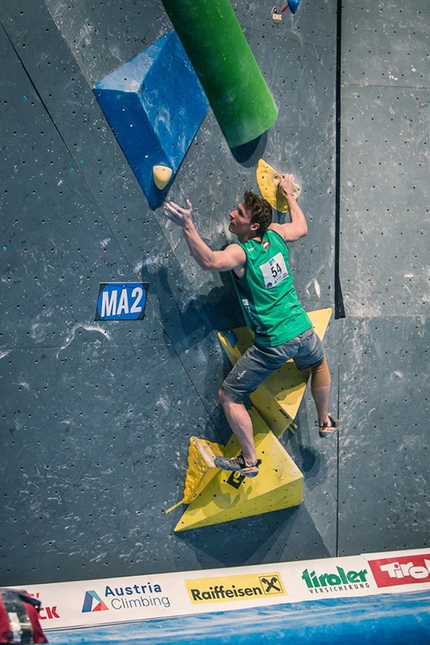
(258, 363)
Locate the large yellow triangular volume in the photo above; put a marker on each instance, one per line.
(200, 468)
(278, 399)
(268, 181)
(230, 496)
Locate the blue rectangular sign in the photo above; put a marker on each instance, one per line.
(121, 301)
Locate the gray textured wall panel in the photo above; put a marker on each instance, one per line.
(385, 233)
(103, 35)
(384, 242)
(95, 443)
(385, 44)
(383, 459)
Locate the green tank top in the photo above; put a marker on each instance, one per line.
(267, 294)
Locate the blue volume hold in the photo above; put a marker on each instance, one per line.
(293, 5)
(155, 105)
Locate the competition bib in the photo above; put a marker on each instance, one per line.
(274, 271)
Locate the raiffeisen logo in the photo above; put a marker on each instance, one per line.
(234, 588)
(121, 598)
(335, 581)
(404, 570)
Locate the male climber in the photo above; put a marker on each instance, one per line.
(264, 284)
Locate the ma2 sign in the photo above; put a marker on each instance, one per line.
(121, 301)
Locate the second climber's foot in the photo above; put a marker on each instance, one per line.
(328, 427)
(238, 464)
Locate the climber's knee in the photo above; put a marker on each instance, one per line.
(320, 374)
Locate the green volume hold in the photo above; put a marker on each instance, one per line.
(220, 54)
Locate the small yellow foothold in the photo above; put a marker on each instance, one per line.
(162, 175)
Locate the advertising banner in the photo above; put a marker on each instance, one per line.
(136, 598)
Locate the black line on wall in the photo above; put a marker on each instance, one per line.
(338, 297)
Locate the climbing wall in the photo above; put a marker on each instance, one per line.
(384, 242)
(96, 415)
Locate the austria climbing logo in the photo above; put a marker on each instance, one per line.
(133, 597)
(401, 570)
(233, 588)
(93, 602)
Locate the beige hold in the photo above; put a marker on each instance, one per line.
(162, 175)
(276, 14)
(268, 180)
